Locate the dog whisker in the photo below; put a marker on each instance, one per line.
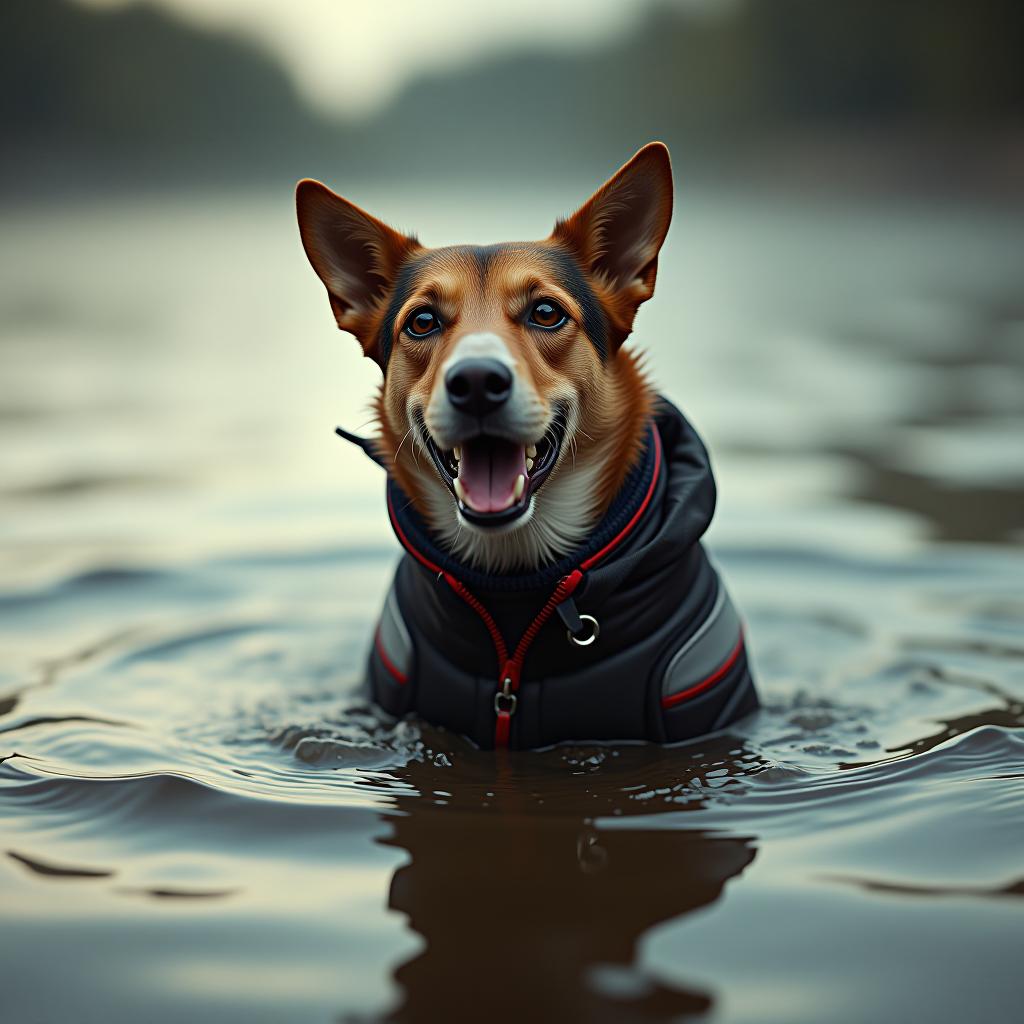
(400, 443)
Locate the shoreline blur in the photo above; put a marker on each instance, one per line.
(920, 98)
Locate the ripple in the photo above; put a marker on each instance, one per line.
(790, 800)
(50, 870)
(1014, 889)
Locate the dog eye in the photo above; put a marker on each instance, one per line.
(421, 323)
(547, 314)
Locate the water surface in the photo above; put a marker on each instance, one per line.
(201, 820)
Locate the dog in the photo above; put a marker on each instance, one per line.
(550, 502)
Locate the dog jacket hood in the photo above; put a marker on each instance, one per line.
(631, 637)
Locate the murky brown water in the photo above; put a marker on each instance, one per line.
(201, 821)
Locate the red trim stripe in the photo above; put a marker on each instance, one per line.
(399, 676)
(705, 684)
(624, 532)
(406, 543)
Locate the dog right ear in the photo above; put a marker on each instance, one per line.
(354, 254)
(618, 232)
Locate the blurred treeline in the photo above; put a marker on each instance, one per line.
(740, 86)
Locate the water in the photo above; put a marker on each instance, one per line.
(202, 821)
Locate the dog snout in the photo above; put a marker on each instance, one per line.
(478, 386)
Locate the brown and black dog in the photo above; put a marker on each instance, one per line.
(504, 364)
(532, 466)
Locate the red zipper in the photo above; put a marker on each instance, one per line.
(510, 669)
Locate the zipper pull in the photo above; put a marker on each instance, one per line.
(582, 630)
(505, 702)
(569, 614)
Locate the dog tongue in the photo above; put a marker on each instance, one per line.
(488, 471)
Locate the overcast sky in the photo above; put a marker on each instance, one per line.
(353, 55)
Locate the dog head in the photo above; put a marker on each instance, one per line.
(508, 412)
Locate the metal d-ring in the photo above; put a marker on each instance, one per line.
(595, 632)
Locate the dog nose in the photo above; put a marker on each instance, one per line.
(478, 386)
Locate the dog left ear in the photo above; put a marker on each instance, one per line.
(355, 255)
(617, 234)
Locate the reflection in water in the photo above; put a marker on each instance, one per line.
(524, 906)
(949, 459)
(973, 513)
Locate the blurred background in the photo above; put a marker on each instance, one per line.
(839, 307)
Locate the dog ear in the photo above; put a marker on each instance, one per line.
(617, 234)
(354, 254)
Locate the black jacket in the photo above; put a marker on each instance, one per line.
(493, 656)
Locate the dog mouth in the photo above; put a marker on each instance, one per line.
(493, 478)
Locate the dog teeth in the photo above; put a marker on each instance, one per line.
(517, 491)
(531, 451)
(460, 491)
(457, 452)
(529, 464)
